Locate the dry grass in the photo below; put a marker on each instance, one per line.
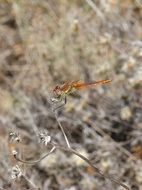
(43, 43)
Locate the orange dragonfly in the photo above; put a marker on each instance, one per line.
(61, 92)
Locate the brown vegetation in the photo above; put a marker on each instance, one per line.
(45, 43)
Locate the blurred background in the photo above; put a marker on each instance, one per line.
(45, 43)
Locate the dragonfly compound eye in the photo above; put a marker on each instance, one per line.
(56, 90)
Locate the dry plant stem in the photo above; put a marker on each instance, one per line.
(64, 134)
(123, 150)
(56, 117)
(66, 149)
(95, 8)
(30, 182)
(92, 165)
(34, 161)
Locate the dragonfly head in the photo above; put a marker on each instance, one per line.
(57, 91)
(57, 94)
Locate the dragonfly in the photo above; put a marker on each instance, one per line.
(61, 92)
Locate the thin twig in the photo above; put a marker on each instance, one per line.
(95, 8)
(94, 167)
(30, 182)
(117, 145)
(64, 134)
(67, 149)
(34, 161)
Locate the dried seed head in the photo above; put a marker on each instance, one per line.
(14, 137)
(16, 172)
(44, 138)
(14, 152)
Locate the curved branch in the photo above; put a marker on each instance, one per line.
(64, 134)
(66, 149)
(94, 167)
(34, 161)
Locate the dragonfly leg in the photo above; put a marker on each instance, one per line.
(56, 99)
(62, 105)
